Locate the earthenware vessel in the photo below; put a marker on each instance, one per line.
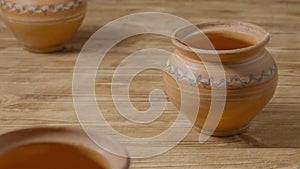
(43, 26)
(250, 72)
(60, 148)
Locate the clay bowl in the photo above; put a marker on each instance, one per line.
(59, 148)
(43, 26)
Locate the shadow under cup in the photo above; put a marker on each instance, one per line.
(56, 148)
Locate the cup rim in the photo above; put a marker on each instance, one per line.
(262, 41)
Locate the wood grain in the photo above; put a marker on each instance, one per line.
(36, 89)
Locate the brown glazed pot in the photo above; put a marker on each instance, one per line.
(43, 26)
(59, 148)
(250, 72)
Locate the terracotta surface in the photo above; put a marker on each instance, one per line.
(49, 148)
(250, 72)
(43, 26)
(36, 89)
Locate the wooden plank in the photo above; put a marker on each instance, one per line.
(36, 89)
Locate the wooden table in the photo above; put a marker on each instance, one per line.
(36, 89)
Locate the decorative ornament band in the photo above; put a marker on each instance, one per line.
(234, 82)
(40, 9)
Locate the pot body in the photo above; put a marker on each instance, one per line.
(43, 26)
(250, 78)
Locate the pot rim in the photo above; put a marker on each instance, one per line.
(64, 136)
(262, 41)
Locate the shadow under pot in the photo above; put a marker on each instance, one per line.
(43, 26)
(221, 64)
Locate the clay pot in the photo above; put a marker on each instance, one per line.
(43, 26)
(250, 72)
(59, 148)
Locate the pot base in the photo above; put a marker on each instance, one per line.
(223, 133)
(45, 50)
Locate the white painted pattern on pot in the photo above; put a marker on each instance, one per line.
(40, 9)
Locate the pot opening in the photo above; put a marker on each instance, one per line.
(51, 155)
(220, 40)
(220, 37)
